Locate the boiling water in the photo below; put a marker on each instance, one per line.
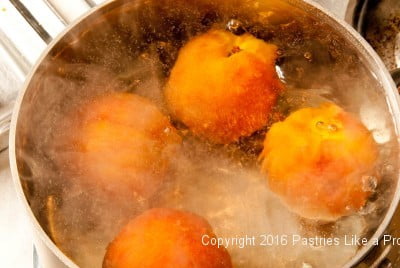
(132, 49)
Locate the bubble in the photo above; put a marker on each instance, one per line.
(367, 209)
(381, 136)
(235, 26)
(306, 265)
(281, 75)
(369, 183)
(320, 124)
(167, 130)
(326, 127)
(308, 56)
(332, 127)
(387, 169)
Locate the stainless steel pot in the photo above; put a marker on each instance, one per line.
(36, 100)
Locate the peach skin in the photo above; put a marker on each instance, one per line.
(165, 238)
(319, 160)
(127, 144)
(223, 86)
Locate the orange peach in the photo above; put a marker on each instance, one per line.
(165, 238)
(127, 144)
(320, 161)
(223, 86)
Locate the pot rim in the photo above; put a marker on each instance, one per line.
(393, 101)
(38, 229)
(392, 98)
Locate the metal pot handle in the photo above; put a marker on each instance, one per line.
(5, 112)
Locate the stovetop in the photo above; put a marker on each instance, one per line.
(26, 27)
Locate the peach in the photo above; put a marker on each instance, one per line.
(223, 86)
(127, 144)
(165, 238)
(320, 162)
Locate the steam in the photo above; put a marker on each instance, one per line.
(237, 203)
(132, 49)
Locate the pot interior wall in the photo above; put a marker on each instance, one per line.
(131, 46)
